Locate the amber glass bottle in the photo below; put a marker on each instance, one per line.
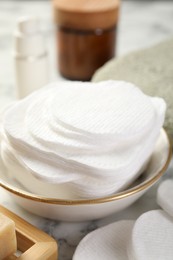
(86, 35)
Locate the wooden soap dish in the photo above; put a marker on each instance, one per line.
(33, 243)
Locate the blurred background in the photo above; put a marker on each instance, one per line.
(141, 24)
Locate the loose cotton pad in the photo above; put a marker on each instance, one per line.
(97, 138)
(152, 237)
(109, 242)
(165, 196)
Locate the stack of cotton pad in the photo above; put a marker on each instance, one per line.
(92, 139)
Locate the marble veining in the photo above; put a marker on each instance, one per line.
(142, 24)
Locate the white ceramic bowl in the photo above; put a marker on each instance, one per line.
(80, 210)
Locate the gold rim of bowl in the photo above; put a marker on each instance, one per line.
(117, 196)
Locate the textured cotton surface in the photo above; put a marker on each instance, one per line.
(150, 69)
(95, 138)
(152, 237)
(165, 196)
(106, 243)
(106, 108)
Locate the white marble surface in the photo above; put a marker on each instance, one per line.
(142, 23)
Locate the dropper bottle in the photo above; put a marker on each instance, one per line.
(30, 55)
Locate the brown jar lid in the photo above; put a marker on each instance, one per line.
(86, 14)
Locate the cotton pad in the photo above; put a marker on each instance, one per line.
(59, 143)
(43, 133)
(37, 174)
(107, 109)
(37, 118)
(165, 196)
(109, 242)
(39, 167)
(93, 160)
(152, 237)
(16, 171)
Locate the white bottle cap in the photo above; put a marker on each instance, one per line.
(28, 25)
(28, 37)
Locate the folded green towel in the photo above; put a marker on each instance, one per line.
(150, 69)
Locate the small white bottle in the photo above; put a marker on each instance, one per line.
(31, 59)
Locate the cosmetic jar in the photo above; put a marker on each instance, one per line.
(86, 35)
